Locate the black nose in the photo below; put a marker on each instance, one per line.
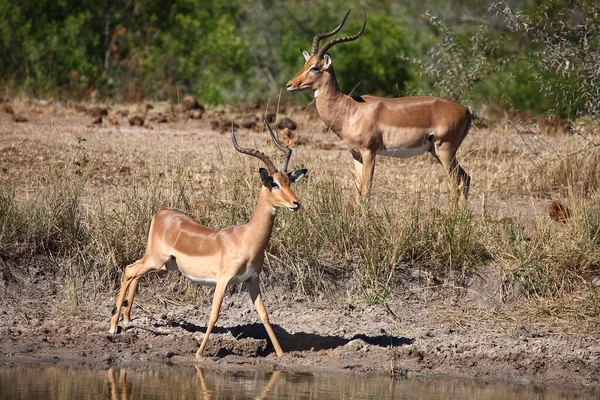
(297, 203)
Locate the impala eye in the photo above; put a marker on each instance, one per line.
(275, 185)
(314, 68)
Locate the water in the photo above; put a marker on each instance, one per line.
(188, 382)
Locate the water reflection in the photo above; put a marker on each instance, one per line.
(188, 382)
(208, 394)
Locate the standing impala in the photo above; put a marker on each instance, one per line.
(217, 257)
(371, 126)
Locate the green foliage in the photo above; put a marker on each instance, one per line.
(564, 44)
(241, 51)
(460, 63)
(374, 64)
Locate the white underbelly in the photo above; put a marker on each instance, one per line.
(213, 282)
(202, 281)
(405, 153)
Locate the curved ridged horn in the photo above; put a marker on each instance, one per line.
(252, 152)
(319, 36)
(286, 150)
(342, 39)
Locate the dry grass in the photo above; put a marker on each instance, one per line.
(88, 204)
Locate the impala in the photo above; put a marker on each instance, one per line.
(216, 257)
(370, 125)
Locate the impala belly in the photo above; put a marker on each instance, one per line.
(405, 153)
(202, 281)
(213, 282)
(405, 143)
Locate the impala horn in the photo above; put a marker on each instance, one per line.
(253, 152)
(320, 53)
(319, 36)
(286, 150)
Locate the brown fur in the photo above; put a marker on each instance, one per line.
(368, 124)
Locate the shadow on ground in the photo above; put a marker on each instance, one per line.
(298, 341)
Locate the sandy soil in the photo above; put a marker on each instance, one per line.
(425, 333)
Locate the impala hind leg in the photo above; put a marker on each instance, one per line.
(214, 313)
(130, 295)
(132, 274)
(458, 177)
(358, 171)
(253, 286)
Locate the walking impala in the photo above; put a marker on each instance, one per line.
(217, 257)
(370, 125)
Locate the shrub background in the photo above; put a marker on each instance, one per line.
(510, 54)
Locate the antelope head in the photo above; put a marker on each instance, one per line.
(276, 183)
(312, 75)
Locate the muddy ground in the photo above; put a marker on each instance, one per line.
(425, 333)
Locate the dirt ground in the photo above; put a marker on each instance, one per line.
(425, 334)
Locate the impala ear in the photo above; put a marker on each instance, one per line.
(327, 61)
(296, 175)
(306, 54)
(265, 178)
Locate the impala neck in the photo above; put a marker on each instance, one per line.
(333, 106)
(261, 223)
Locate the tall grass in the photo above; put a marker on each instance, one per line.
(367, 253)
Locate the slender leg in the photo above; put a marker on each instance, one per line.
(368, 170)
(132, 272)
(457, 176)
(253, 285)
(128, 276)
(214, 314)
(130, 295)
(466, 181)
(358, 171)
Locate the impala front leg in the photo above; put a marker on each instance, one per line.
(253, 285)
(214, 313)
(358, 174)
(368, 169)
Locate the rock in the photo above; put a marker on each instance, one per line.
(97, 112)
(287, 123)
(136, 120)
(7, 108)
(249, 121)
(270, 117)
(222, 125)
(159, 118)
(80, 108)
(190, 103)
(19, 118)
(195, 114)
(559, 212)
